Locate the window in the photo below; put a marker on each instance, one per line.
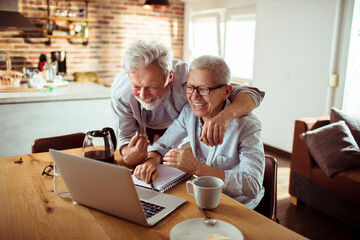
(352, 82)
(206, 34)
(229, 33)
(239, 44)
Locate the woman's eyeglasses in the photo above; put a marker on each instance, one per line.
(203, 91)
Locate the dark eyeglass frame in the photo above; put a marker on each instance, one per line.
(47, 170)
(198, 89)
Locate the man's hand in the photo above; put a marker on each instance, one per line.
(213, 130)
(136, 150)
(182, 159)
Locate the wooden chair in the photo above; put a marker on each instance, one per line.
(58, 142)
(87, 77)
(268, 205)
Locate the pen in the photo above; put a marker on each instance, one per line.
(152, 186)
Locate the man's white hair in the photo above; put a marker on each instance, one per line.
(140, 54)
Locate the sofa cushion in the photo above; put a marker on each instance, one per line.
(333, 147)
(350, 177)
(352, 121)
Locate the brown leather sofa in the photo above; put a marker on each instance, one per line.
(338, 196)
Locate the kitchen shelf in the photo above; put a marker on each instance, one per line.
(79, 0)
(69, 37)
(71, 19)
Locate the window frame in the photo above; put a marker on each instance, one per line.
(223, 15)
(204, 15)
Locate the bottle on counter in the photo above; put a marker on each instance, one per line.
(42, 62)
(50, 71)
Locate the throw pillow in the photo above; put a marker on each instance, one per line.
(352, 121)
(333, 147)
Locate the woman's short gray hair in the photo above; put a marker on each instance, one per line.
(214, 64)
(140, 54)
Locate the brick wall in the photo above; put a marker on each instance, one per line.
(117, 22)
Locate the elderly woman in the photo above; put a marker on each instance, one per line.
(239, 161)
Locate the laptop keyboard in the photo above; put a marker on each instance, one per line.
(151, 209)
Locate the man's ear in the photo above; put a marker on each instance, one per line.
(228, 90)
(171, 77)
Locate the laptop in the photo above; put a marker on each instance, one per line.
(110, 189)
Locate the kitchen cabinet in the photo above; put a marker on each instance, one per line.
(26, 116)
(68, 24)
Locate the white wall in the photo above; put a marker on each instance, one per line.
(298, 45)
(292, 63)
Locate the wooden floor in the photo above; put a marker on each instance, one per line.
(305, 220)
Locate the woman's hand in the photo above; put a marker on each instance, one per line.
(146, 172)
(182, 159)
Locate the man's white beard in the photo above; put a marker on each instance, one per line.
(149, 106)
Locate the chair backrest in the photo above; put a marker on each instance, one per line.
(87, 77)
(58, 142)
(268, 205)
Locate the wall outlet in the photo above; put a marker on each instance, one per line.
(2, 57)
(333, 80)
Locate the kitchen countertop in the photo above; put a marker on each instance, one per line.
(73, 91)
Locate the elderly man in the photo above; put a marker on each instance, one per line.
(148, 94)
(239, 161)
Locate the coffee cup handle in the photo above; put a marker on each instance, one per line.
(188, 183)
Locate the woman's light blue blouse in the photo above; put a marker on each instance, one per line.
(240, 156)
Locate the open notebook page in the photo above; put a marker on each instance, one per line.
(167, 178)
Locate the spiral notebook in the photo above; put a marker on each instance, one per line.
(167, 178)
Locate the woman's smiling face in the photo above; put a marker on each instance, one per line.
(208, 106)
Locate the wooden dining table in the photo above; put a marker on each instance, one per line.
(29, 209)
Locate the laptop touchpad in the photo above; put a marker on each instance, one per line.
(145, 194)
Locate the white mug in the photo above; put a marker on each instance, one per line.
(206, 190)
